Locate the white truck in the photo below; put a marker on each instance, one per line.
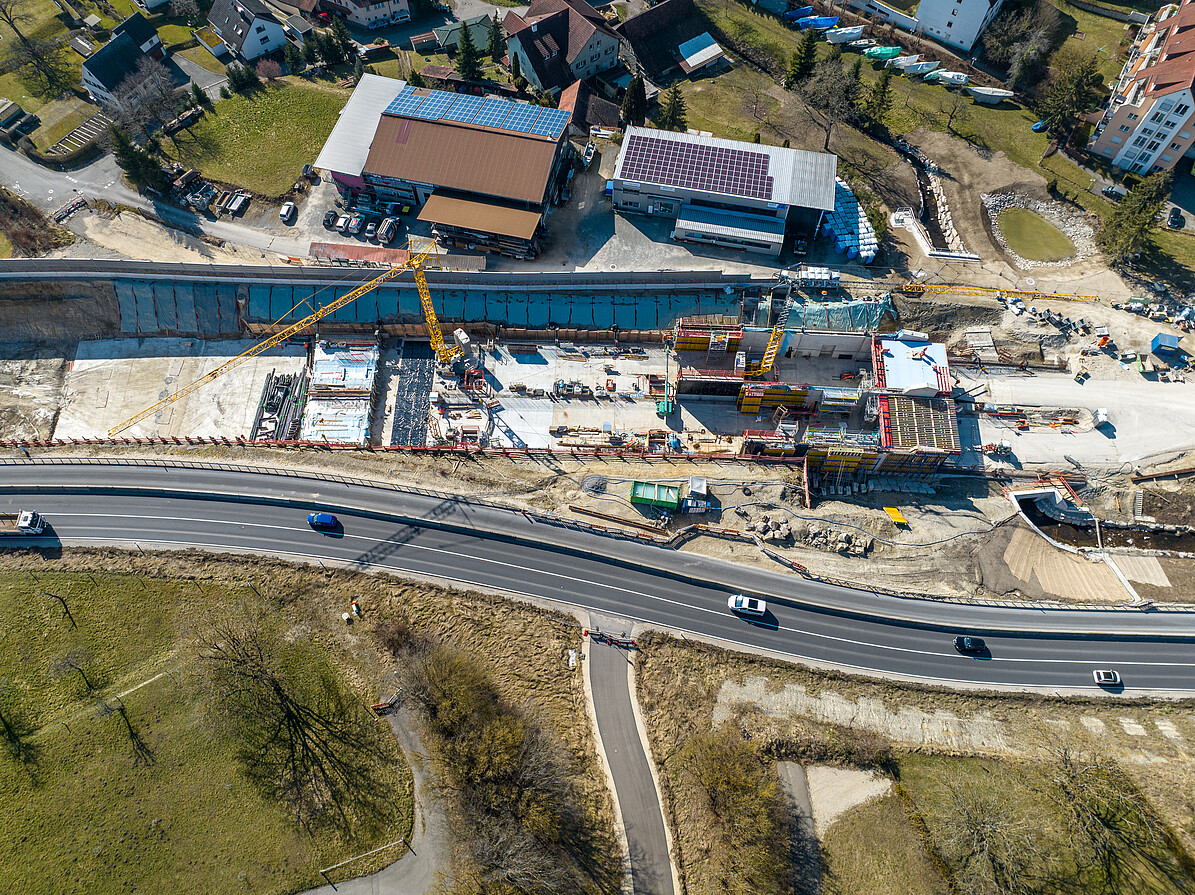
(24, 523)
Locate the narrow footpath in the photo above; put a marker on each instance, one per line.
(425, 864)
(611, 681)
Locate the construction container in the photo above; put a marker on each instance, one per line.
(656, 494)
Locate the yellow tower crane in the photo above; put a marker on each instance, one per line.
(430, 321)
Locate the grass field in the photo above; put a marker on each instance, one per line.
(261, 141)
(61, 117)
(1092, 33)
(5, 247)
(1032, 237)
(854, 864)
(200, 56)
(175, 33)
(159, 805)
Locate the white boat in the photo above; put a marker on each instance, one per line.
(861, 45)
(989, 95)
(901, 61)
(921, 68)
(954, 78)
(845, 35)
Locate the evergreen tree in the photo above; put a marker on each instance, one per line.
(1073, 88)
(879, 99)
(674, 116)
(344, 40)
(293, 58)
(497, 45)
(330, 50)
(197, 95)
(634, 104)
(1128, 229)
(416, 79)
(855, 74)
(515, 69)
(138, 165)
(311, 49)
(803, 59)
(468, 60)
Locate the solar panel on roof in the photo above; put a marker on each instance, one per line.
(434, 106)
(464, 109)
(551, 122)
(698, 167)
(493, 113)
(405, 103)
(521, 118)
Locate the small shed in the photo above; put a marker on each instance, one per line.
(656, 494)
(1164, 343)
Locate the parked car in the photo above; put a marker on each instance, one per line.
(356, 222)
(342, 223)
(969, 645)
(1175, 219)
(745, 605)
(1106, 677)
(322, 521)
(1114, 192)
(330, 219)
(801, 246)
(387, 230)
(371, 229)
(286, 212)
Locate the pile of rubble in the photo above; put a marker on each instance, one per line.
(778, 529)
(1072, 223)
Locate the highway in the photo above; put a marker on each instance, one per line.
(471, 544)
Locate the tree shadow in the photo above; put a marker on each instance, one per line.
(17, 730)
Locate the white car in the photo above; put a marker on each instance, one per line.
(1106, 677)
(287, 211)
(747, 605)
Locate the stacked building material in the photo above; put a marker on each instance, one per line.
(849, 227)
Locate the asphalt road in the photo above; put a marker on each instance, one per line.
(472, 544)
(48, 190)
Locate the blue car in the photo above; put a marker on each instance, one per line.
(322, 521)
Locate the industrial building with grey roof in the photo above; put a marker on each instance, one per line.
(724, 192)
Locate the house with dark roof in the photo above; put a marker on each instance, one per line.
(246, 27)
(654, 36)
(105, 70)
(1149, 122)
(587, 110)
(560, 41)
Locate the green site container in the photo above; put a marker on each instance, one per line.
(656, 494)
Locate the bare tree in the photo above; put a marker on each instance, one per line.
(185, 9)
(269, 69)
(829, 94)
(106, 708)
(145, 99)
(996, 851)
(956, 109)
(66, 610)
(14, 725)
(74, 661)
(41, 64)
(302, 737)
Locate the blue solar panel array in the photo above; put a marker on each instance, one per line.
(501, 114)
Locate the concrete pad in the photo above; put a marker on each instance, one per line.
(114, 379)
(1131, 727)
(1093, 725)
(1168, 730)
(1145, 569)
(1032, 558)
(834, 791)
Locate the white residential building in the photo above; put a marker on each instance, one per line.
(372, 13)
(1149, 123)
(247, 27)
(955, 23)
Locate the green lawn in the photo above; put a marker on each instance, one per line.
(5, 247)
(1092, 33)
(261, 141)
(732, 105)
(202, 56)
(1032, 237)
(175, 33)
(61, 117)
(89, 812)
(855, 864)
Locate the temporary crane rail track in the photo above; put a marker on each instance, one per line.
(956, 289)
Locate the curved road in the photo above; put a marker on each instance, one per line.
(225, 509)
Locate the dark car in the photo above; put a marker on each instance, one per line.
(330, 220)
(801, 246)
(1175, 219)
(1113, 192)
(323, 521)
(969, 646)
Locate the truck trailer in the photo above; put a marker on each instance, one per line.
(24, 523)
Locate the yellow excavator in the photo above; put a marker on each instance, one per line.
(415, 264)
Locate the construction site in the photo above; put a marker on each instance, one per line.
(853, 382)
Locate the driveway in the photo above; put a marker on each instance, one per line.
(209, 82)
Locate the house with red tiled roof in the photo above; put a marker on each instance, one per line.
(1149, 122)
(560, 41)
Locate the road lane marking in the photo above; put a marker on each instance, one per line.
(611, 587)
(883, 672)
